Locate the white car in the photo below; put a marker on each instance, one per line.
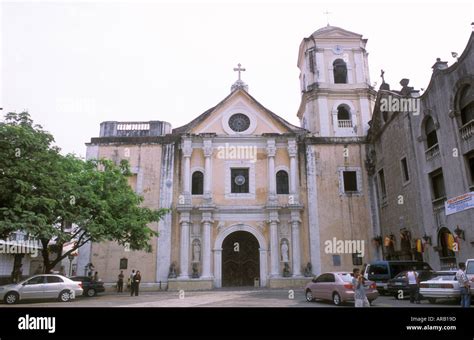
(45, 286)
(443, 285)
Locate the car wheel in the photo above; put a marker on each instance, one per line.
(432, 300)
(309, 296)
(336, 299)
(91, 292)
(11, 298)
(64, 296)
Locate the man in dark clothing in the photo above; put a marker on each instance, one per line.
(120, 282)
(136, 281)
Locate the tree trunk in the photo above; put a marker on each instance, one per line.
(45, 252)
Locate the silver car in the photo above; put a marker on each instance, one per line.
(45, 286)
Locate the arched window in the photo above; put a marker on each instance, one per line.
(466, 105)
(430, 131)
(282, 182)
(340, 71)
(343, 113)
(198, 183)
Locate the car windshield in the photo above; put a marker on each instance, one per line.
(400, 275)
(444, 277)
(79, 278)
(346, 277)
(470, 267)
(378, 269)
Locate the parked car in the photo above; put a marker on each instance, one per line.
(443, 285)
(46, 286)
(382, 271)
(470, 273)
(400, 282)
(337, 287)
(90, 287)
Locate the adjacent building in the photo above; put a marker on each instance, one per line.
(421, 157)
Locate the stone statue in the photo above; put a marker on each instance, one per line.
(172, 273)
(196, 251)
(308, 270)
(284, 252)
(286, 270)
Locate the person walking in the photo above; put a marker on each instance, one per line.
(464, 285)
(136, 281)
(96, 277)
(132, 283)
(359, 290)
(413, 284)
(120, 282)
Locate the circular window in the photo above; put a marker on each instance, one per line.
(239, 180)
(239, 122)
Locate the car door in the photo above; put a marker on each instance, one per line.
(53, 286)
(33, 288)
(329, 286)
(321, 287)
(316, 287)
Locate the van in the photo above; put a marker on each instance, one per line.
(382, 271)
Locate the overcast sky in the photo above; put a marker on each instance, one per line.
(74, 65)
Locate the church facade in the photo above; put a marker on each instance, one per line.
(255, 200)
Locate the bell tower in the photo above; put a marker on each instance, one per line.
(337, 96)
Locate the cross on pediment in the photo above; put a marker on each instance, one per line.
(239, 69)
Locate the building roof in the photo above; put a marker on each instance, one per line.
(187, 128)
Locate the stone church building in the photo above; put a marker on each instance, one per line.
(254, 199)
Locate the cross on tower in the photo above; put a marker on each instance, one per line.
(239, 69)
(327, 16)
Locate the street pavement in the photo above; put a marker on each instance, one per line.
(259, 297)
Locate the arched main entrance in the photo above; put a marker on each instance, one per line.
(240, 259)
(218, 251)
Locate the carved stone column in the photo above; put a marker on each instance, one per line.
(184, 245)
(207, 170)
(206, 241)
(274, 248)
(271, 151)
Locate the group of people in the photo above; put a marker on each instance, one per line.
(414, 287)
(461, 277)
(133, 282)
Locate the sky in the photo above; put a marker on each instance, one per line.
(72, 65)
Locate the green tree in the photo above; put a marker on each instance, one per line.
(58, 199)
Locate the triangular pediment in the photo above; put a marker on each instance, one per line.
(257, 120)
(332, 32)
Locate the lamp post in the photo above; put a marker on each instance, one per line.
(71, 258)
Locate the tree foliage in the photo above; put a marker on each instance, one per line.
(58, 199)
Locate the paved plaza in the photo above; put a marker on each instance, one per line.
(219, 298)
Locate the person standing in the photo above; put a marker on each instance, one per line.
(413, 280)
(359, 290)
(120, 282)
(96, 277)
(132, 283)
(464, 285)
(136, 280)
